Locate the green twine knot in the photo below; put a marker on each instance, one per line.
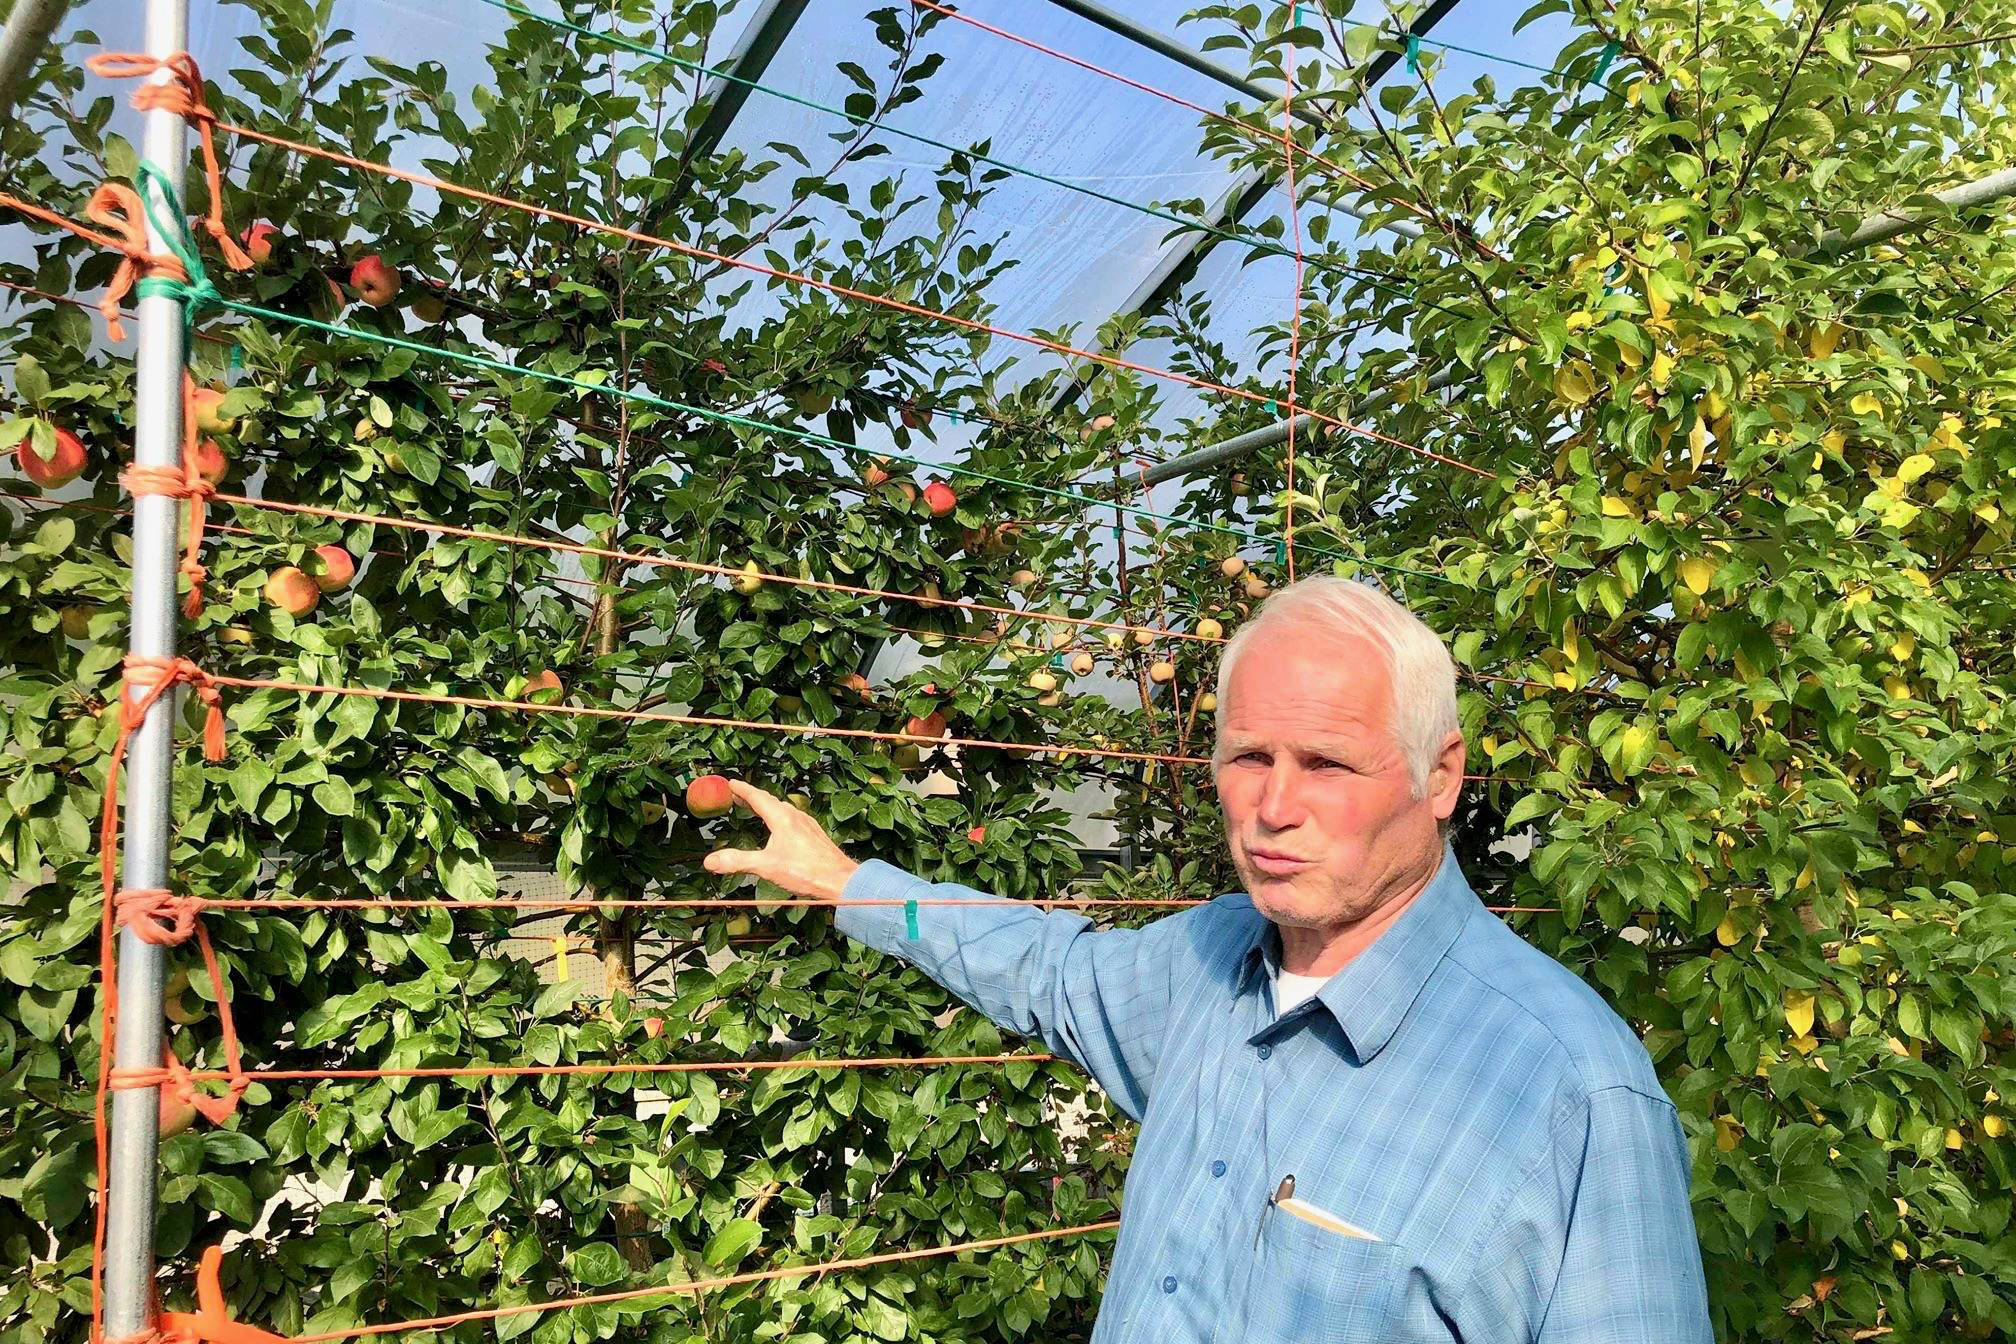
(910, 920)
(196, 293)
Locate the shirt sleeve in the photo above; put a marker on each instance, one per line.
(1598, 1242)
(1099, 998)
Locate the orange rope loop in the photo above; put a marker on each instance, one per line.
(211, 1322)
(183, 96)
(156, 915)
(152, 677)
(186, 481)
(118, 208)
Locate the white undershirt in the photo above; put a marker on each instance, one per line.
(1290, 991)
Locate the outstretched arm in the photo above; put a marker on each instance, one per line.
(1100, 999)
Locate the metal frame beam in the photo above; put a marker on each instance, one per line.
(1875, 228)
(1177, 264)
(1247, 189)
(21, 46)
(768, 28)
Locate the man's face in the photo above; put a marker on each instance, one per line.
(1319, 809)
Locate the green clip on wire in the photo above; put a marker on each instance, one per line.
(1414, 54)
(1610, 50)
(196, 293)
(910, 920)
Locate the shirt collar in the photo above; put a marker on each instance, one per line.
(1370, 997)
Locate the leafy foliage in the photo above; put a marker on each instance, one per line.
(1736, 602)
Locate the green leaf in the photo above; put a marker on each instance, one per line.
(727, 1247)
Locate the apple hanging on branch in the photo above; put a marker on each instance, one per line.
(259, 240)
(207, 404)
(940, 499)
(63, 466)
(332, 567)
(709, 796)
(291, 590)
(373, 281)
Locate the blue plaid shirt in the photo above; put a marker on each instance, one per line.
(1453, 1092)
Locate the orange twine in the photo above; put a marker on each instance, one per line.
(143, 910)
(184, 482)
(183, 96)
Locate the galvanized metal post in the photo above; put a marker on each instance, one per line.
(157, 441)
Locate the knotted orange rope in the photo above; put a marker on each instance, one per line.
(118, 209)
(211, 1322)
(144, 909)
(185, 482)
(183, 96)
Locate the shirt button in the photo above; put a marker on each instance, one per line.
(1266, 1051)
(1218, 1168)
(1169, 1284)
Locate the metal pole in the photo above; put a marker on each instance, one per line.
(1874, 229)
(157, 441)
(1889, 223)
(1120, 24)
(22, 44)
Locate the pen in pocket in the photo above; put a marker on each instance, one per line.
(1285, 1200)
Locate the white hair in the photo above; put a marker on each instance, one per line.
(1418, 666)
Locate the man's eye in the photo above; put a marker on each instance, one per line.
(1251, 758)
(1327, 764)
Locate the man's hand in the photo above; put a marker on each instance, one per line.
(799, 857)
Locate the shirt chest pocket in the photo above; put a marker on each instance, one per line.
(1313, 1284)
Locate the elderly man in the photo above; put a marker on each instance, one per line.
(1369, 1111)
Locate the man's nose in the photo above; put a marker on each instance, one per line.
(1281, 805)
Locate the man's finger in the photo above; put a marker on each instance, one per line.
(768, 807)
(732, 861)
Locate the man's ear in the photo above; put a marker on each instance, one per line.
(1445, 777)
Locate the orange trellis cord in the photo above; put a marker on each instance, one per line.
(211, 1323)
(184, 482)
(1245, 128)
(705, 567)
(123, 1079)
(182, 96)
(843, 291)
(118, 209)
(143, 910)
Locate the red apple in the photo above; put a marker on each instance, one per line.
(709, 796)
(259, 241)
(292, 591)
(652, 1026)
(877, 473)
(210, 462)
(374, 282)
(938, 497)
(208, 420)
(547, 680)
(978, 835)
(916, 417)
(66, 466)
(931, 725)
(334, 568)
(858, 684)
